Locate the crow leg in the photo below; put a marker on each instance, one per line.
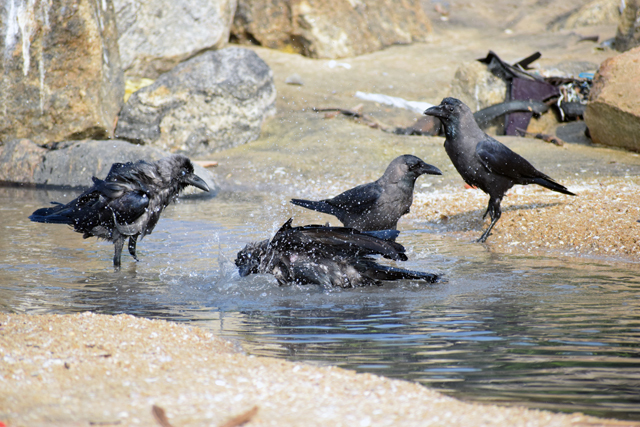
(118, 243)
(486, 212)
(132, 246)
(494, 213)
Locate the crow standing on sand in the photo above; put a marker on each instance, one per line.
(328, 256)
(128, 203)
(484, 162)
(377, 205)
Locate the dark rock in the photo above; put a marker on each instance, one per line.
(214, 101)
(19, 161)
(330, 28)
(575, 132)
(61, 74)
(628, 34)
(156, 35)
(73, 163)
(613, 110)
(266, 22)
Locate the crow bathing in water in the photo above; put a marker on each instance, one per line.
(484, 162)
(377, 205)
(328, 256)
(128, 203)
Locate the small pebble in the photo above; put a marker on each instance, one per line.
(294, 79)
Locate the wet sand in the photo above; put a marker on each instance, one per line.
(88, 369)
(601, 221)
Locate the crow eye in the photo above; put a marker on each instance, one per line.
(184, 173)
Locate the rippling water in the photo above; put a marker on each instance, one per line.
(552, 332)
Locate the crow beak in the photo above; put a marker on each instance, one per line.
(436, 111)
(197, 182)
(429, 169)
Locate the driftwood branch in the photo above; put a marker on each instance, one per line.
(425, 126)
(355, 112)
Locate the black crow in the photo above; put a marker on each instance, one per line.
(128, 203)
(377, 205)
(328, 256)
(484, 162)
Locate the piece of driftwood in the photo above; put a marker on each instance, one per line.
(356, 113)
(430, 126)
(425, 126)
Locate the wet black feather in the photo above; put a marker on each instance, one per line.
(127, 203)
(328, 256)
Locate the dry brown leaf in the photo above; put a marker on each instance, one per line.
(160, 416)
(242, 418)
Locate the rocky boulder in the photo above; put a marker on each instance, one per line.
(477, 87)
(156, 35)
(61, 74)
(613, 110)
(73, 163)
(628, 35)
(214, 101)
(330, 28)
(595, 12)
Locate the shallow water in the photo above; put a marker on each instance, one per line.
(552, 332)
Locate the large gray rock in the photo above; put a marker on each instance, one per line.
(156, 35)
(73, 163)
(214, 101)
(477, 87)
(61, 74)
(330, 28)
(19, 161)
(613, 110)
(628, 34)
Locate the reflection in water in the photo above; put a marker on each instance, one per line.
(558, 333)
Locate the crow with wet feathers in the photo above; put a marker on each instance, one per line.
(377, 205)
(127, 203)
(482, 161)
(327, 256)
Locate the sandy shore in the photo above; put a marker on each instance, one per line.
(82, 370)
(601, 221)
(88, 369)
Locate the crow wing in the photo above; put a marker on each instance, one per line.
(375, 271)
(334, 241)
(358, 200)
(500, 159)
(121, 196)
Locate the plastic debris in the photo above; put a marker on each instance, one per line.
(415, 106)
(333, 64)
